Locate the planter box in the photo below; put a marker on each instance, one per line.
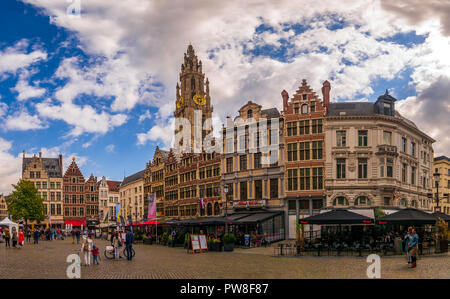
(148, 242)
(228, 246)
(214, 246)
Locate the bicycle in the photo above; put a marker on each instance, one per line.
(109, 252)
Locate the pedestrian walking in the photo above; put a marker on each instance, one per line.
(407, 239)
(95, 256)
(28, 234)
(58, 234)
(36, 236)
(116, 243)
(129, 239)
(77, 234)
(14, 237)
(21, 238)
(7, 238)
(72, 233)
(86, 248)
(413, 248)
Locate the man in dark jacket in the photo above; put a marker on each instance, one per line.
(36, 236)
(129, 239)
(77, 234)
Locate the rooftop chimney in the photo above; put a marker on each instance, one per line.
(229, 122)
(285, 97)
(326, 95)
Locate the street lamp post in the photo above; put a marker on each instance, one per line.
(225, 190)
(437, 177)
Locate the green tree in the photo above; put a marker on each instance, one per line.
(25, 203)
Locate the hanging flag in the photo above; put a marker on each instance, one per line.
(151, 206)
(200, 203)
(118, 213)
(396, 197)
(49, 219)
(105, 219)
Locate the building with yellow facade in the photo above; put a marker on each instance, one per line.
(131, 196)
(441, 165)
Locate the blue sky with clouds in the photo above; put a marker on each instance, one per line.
(96, 79)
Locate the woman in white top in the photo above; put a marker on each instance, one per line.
(86, 248)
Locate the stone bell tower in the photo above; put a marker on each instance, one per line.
(193, 93)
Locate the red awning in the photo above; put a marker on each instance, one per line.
(149, 222)
(75, 222)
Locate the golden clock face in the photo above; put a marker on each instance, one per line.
(199, 100)
(179, 102)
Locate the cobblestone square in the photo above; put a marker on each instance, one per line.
(48, 260)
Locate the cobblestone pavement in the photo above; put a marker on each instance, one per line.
(48, 260)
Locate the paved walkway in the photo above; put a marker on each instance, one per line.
(48, 260)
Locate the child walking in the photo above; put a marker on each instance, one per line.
(95, 256)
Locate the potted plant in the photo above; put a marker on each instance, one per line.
(216, 244)
(228, 242)
(444, 235)
(147, 239)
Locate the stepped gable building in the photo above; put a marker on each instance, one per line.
(441, 165)
(158, 179)
(92, 201)
(74, 196)
(254, 176)
(376, 158)
(131, 193)
(304, 144)
(46, 174)
(3, 207)
(171, 185)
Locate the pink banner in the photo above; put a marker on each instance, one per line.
(151, 206)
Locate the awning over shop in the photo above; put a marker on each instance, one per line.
(237, 216)
(338, 216)
(408, 216)
(75, 222)
(203, 222)
(173, 221)
(149, 222)
(257, 217)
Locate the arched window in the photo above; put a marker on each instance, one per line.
(192, 83)
(216, 208)
(362, 201)
(304, 109)
(209, 209)
(249, 113)
(403, 202)
(340, 201)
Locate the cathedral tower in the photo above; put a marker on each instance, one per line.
(193, 93)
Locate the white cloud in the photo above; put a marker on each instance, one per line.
(10, 170)
(25, 90)
(16, 57)
(22, 121)
(145, 116)
(159, 133)
(3, 109)
(83, 119)
(110, 148)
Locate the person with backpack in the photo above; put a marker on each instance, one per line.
(14, 237)
(77, 234)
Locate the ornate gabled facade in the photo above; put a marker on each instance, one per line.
(192, 97)
(3, 207)
(253, 165)
(157, 178)
(74, 196)
(46, 174)
(92, 202)
(171, 187)
(376, 158)
(304, 140)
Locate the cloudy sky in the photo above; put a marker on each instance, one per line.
(96, 79)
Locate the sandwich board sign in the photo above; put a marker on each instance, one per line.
(203, 243)
(198, 243)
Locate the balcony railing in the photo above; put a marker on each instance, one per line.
(386, 149)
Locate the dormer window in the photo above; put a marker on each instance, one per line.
(304, 96)
(249, 113)
(387, 109)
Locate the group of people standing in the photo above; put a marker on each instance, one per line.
(411, 246)
(17, 237)
(88, 249)
(116, 242)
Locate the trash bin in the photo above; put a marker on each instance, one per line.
(398, 246)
